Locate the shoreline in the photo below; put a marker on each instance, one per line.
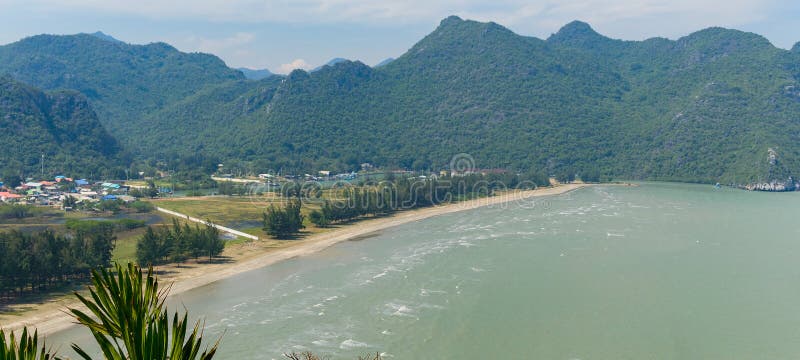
(51, 316)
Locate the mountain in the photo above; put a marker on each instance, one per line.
(61, 125)
(103, 36)
(707, 107)
(716, 105)
(255, 74)
(123, 82)
(332, 62)
(384, 62)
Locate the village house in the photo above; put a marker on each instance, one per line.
(6, 196)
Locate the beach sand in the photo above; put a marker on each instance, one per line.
(51, 316)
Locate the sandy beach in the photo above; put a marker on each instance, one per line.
(51, 316)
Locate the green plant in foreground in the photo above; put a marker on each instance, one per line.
(27, 348)
(128, 319)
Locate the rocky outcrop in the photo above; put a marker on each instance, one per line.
(775, 185)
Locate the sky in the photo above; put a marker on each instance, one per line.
(282, 35)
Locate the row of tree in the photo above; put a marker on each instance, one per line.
(19, 211)
(284, 222)
(178, 243)
(351, 202)
(36, 261)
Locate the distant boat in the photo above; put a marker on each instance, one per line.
(717, 186)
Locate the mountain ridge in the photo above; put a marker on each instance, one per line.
(123, 81)
(60, 125)
(705, 107)
(255, 74)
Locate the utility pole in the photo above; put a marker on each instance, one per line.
(42, 166)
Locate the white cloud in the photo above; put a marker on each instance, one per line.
(520, 13)
(294, 64)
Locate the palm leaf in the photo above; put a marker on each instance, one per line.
(128, 319)
(27, 349)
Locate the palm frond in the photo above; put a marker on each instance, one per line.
(128, 319)
(26, 349)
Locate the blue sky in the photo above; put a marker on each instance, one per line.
(286, 34)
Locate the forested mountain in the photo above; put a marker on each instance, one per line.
(255, 74)
(330, 62)
(122, 81)
(103, 36)
(61, 125)
(384, 62)
(717, 105)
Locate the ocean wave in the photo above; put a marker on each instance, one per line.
(352, 344)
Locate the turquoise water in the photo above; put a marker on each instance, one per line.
(660, 271)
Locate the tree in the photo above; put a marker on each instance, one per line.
(129, 320)
(11, 177)
(211, 244)
(177, 243)
(591, 174)
(318, 218)
(70, 202)
(148, 249)
(566, 176)
(283, 223)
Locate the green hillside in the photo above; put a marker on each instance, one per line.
(717, 105)
(61, 125)
(122, 81)
(707, 107)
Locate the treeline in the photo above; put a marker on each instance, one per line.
(392, 194)
(37, 261)
(19, 211)
(231, 188)
(284, 222)
(407, 193)
(178, 243)
(113, 206)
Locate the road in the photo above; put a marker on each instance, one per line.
(219, 227)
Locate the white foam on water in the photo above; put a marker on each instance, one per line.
(398, 309)
(238, 305)
(352, 344)
(403, 311)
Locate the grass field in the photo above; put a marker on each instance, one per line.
(223, 210)
(243, 213)
(125, 249)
